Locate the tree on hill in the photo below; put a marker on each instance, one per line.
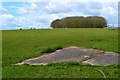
(80, 22)
(56, 23)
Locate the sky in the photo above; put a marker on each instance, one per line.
(39, 15)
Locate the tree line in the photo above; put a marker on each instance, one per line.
(80, 22)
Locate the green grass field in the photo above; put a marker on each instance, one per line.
(18, 45)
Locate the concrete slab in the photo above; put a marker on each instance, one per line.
(76, 54)
(108, 58)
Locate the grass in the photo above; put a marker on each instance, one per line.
(48, 50)
(18, 45)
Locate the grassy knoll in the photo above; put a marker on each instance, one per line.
(18, 45)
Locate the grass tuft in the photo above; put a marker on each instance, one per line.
(49, 50)
(64, 64)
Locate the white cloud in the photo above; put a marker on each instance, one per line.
(108, 10)
(30, 8)
(58, 7)
(3, 10)
(7, 16)
(7, 21)
(71, 0)
(34, 6)
(13, 7)
(22, 10)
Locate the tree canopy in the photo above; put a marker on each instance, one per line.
(80, 22)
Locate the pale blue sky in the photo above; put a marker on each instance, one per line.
(39, 15)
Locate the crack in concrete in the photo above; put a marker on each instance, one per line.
(92, 56)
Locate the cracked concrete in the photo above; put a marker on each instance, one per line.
(108, 58)
(75, 54)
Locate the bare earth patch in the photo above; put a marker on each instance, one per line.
(75, 54)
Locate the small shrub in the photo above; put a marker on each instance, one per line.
(58, 47)
(91, 40)
(48, 50)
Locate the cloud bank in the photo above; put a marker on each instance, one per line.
(39, 15)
